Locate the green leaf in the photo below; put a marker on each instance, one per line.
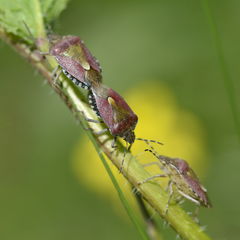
(52, 8)
(13, 15)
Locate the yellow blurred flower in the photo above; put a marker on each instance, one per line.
(160, 118)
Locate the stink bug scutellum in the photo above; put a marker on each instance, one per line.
(182, 177)
(76, 61)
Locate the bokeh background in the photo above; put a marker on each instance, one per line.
(159, 55)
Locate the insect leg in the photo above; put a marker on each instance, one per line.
(101, 131)
(89, 119)
(113, 145)
(153, 177)
(170, 183)
(55, 74)
(45, 53)
(97, 133)
(124, 154)
(93, 121)
(195, 214)
(152, 163)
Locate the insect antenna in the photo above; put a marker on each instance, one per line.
(163, 159)
(152, 151)
(148, 141)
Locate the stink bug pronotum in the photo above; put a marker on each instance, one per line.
(182, 177)
(76, 61)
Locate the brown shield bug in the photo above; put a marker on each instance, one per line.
(116, 114)
(182, 177)
(114, 111)
(76, 61)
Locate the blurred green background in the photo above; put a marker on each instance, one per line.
(167, 42)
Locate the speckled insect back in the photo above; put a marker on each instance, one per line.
(76, 61)
(182, 177)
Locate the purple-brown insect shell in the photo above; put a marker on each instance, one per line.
(192, 181)
(115, 112)
(184, 179)
(73, 56)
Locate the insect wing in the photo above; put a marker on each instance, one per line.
(72, 67)
(195, 185)
(191, 186)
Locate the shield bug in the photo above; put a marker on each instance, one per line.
(76, 61)
(114, 111)
(182, 177)
(116, 114)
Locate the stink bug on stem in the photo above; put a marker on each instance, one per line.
(182, 177)
(114, 111)
(116, 114)
(76, 61)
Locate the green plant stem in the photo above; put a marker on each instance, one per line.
(151, 226)
(228, 81)
(133, 171)
(126, 205)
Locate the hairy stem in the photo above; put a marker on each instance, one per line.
(150, 223)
